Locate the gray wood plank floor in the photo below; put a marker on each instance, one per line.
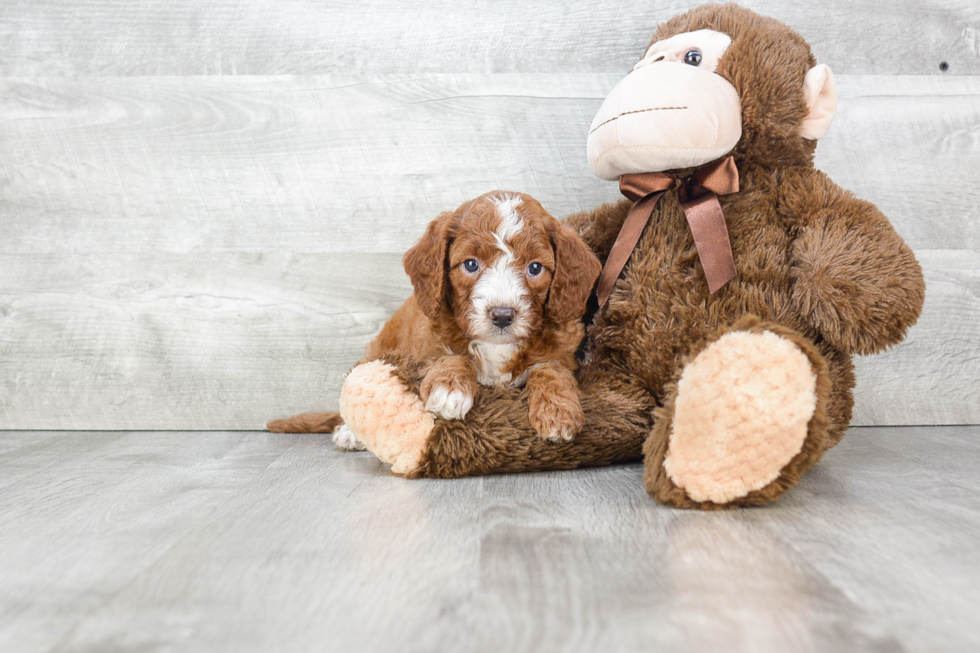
(242, 541)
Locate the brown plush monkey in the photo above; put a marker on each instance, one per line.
(729, 387)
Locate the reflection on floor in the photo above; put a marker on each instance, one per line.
(115, 541)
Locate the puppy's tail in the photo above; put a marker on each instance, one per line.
(307, 423)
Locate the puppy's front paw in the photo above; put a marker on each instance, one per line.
(448, 402)
(448, 387)
(345, 439)
(557, 418)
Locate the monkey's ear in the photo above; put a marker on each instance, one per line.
(820, 95)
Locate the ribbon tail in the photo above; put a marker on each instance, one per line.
(626, 241)
(707, 222)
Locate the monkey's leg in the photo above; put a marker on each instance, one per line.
(380, 403)
(744, 420)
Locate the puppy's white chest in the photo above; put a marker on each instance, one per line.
(490, 359)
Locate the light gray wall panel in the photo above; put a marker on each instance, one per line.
(262, 37)
(933, 377)
(339, 164)
(911, 145)
(203, 205)
(183, 341)
(230, 340)
(309, 164)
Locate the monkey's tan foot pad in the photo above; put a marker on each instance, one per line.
(386, 416)
(741, 414)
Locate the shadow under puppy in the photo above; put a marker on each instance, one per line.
(500, 290)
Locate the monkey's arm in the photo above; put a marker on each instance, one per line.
(600, 226)
(854, 278)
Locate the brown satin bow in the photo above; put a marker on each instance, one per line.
(698, 195)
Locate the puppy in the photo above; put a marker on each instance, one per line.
(500, 291)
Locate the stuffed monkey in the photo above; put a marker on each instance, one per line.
(739, 283)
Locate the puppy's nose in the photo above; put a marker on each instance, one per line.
(502, 316)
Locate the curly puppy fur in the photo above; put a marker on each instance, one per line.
(514, 318)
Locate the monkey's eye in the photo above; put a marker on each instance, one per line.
(534, 269)
(693, 57)
(471, 265)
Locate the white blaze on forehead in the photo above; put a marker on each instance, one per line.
(502, 284)
(511, 223)
(710, 43)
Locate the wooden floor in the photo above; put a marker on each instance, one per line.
(249, 541)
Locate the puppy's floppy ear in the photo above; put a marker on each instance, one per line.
(576, 270)
(425, 265)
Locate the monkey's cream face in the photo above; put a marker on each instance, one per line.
(672, 111)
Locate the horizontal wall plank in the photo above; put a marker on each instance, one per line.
(183, 341)
(933, 377)
(351, 164)
(263, 37)
(229, 340)
(907, 144)
(302, 164)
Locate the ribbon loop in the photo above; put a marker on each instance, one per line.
(720, 178)
(698, 195)
(638, 186)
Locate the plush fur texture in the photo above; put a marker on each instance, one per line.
(822, 276)
(817, 438)
(403, 415)
(448, 327)
(728, 439)
(494, 437)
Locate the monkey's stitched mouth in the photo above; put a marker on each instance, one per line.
(627, 113)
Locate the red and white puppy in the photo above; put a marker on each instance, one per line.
(500, 291)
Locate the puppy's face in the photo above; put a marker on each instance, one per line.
(503, 266)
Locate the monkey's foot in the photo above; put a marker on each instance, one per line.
(744, 408)
(387, 417)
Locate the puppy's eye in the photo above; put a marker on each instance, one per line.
(534, 269)
(693, 57)
(471, 265)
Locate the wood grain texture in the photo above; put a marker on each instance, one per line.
(99, 510)
(340, 164)
(230, 340)
(933, 376)
(262, 37)
(185, 253)
(181, 254)
(254, 542)
(163, 341)
(334, 164)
